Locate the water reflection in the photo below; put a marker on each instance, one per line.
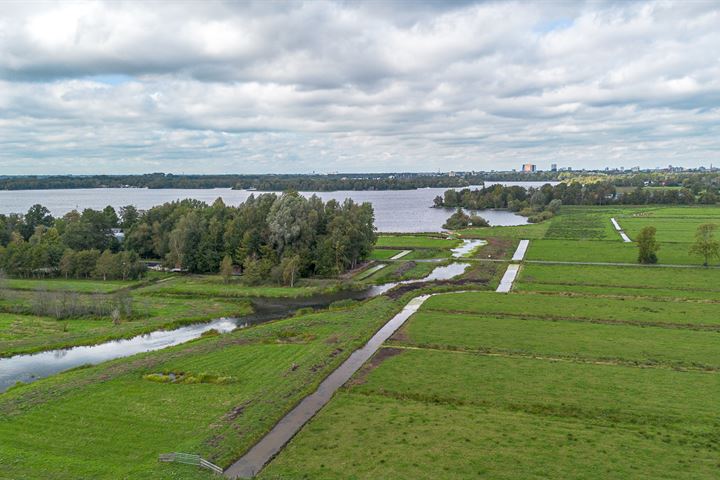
(467, 247)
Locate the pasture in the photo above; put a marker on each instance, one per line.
(109, 421)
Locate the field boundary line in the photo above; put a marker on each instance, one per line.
(622, 264)
(567, 359)
(699, 327)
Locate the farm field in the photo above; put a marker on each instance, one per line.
(606, 252)
(120, 421)
(580, 308)
(607, 370)
(700, 283)
(531, 230)
(415, 415)
(670, 229)
(383, 253)
(59, 284)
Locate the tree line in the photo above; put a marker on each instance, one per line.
(518, 198)
(269, 183)
(537, 204)
(269, 236)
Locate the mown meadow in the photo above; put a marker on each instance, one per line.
(582, 371)
(111, 421)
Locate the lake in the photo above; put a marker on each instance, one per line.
(395, 210)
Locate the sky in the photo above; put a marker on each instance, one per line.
(356, 86)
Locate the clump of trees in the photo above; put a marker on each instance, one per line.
(460, 220)
(537, 204)
(77, 245)
(278, 237)
(647, 245)
(706, 246)
(541, 203)
(268, 237)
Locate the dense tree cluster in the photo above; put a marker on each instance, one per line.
(152, 180)
(78, 245)
(530, 201)
(329, 183)
(268, 236)
(280, 237)
(536, 203)
(460, 219)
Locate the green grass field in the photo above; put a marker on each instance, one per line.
(669, 229)
(529, 386)
(698, 283)
(607, 252)
(425, 414)
(580, 308)
(564, 339)
(582, 371)
(531, 230)
(110, 422)
(60, 284)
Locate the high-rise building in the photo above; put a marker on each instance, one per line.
(529, 168)
(553, 167)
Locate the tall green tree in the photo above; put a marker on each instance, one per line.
(290, 266)
(705, 244)
(647, 245)
(226, 268)
(37, 215)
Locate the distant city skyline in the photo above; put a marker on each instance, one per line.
(272, 87)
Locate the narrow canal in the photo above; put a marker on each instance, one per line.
(31, 367)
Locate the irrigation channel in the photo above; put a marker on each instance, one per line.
(31, 367)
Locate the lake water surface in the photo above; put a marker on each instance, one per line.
(395, 210)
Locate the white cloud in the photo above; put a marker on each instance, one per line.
(376, 86)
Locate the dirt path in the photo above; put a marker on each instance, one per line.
(506, 283)
(619, 229)
(400, 255)
(270, 445)
(509, 278)
(519, 254)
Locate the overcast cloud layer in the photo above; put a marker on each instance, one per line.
(212, 87)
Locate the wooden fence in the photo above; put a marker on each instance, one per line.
(190, 459)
